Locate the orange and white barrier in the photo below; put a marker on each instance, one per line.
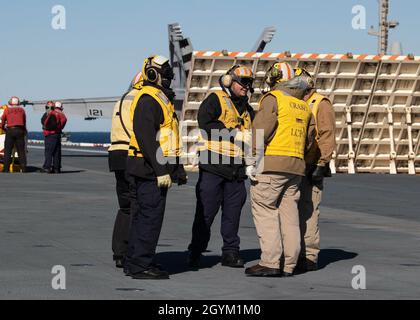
(376, 100)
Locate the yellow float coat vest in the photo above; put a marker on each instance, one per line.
(293, 116)
(122, 126)
(169, 129)
(314, 102)
(231, 118)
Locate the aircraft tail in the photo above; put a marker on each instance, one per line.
(180, 56)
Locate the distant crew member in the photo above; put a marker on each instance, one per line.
(52, 132)
(224, 117)
(121, 132)
(63, 121)
(2, 109)
(13, 121)
(288, 128)
(153, 161)
(317, 168)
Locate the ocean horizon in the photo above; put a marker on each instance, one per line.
(88, 137)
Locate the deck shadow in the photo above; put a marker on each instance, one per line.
(74, 171)
(85, 156)
(329, 256)
(177, 262)
(250, 255)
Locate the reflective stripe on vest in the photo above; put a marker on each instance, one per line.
(169, 130)
(231, 119)
(122, 126)
(293, 116)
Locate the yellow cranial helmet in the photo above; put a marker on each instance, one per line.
(137, 82)
(155, 68)
(279, 72)
(240, 74)
(303, 73)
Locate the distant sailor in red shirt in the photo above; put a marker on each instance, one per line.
(13, 121)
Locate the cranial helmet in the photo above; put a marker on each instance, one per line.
(157, 70)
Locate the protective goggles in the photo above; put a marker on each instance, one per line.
(244, 81)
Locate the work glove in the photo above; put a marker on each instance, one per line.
(164, 181)
(318, 177)
(251, 172)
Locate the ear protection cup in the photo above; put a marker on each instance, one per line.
(152, 75)
(227, 79)
(149, 72)
(275, 73)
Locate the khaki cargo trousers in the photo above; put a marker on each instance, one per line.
(274, 201)
(309, 203)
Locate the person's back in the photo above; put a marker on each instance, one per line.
(13, 121)
(121, 132)
(52, 132)
(50, 123)
(288, 127)
(287, 132)
(14, 116)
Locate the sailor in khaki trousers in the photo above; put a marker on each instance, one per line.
(317, 168)
(288, 127)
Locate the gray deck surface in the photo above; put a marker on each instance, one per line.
(48, 220)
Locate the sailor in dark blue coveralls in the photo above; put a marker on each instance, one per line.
(222, 177)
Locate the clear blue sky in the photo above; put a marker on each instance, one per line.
(105, 42)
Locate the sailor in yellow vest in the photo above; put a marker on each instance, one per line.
(154, 162)
(288, 128)
(224, 118)
(121, 132)
(317, 168)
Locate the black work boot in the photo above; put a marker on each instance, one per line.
(119, 263)
(194, 260)
(232, 260)
(306, 265)
(287, 274)
(260, 271)
(311, 266)
(150, 274)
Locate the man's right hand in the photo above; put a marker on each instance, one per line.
(164, 181)
(251, 172)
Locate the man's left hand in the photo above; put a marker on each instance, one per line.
(318, 176)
